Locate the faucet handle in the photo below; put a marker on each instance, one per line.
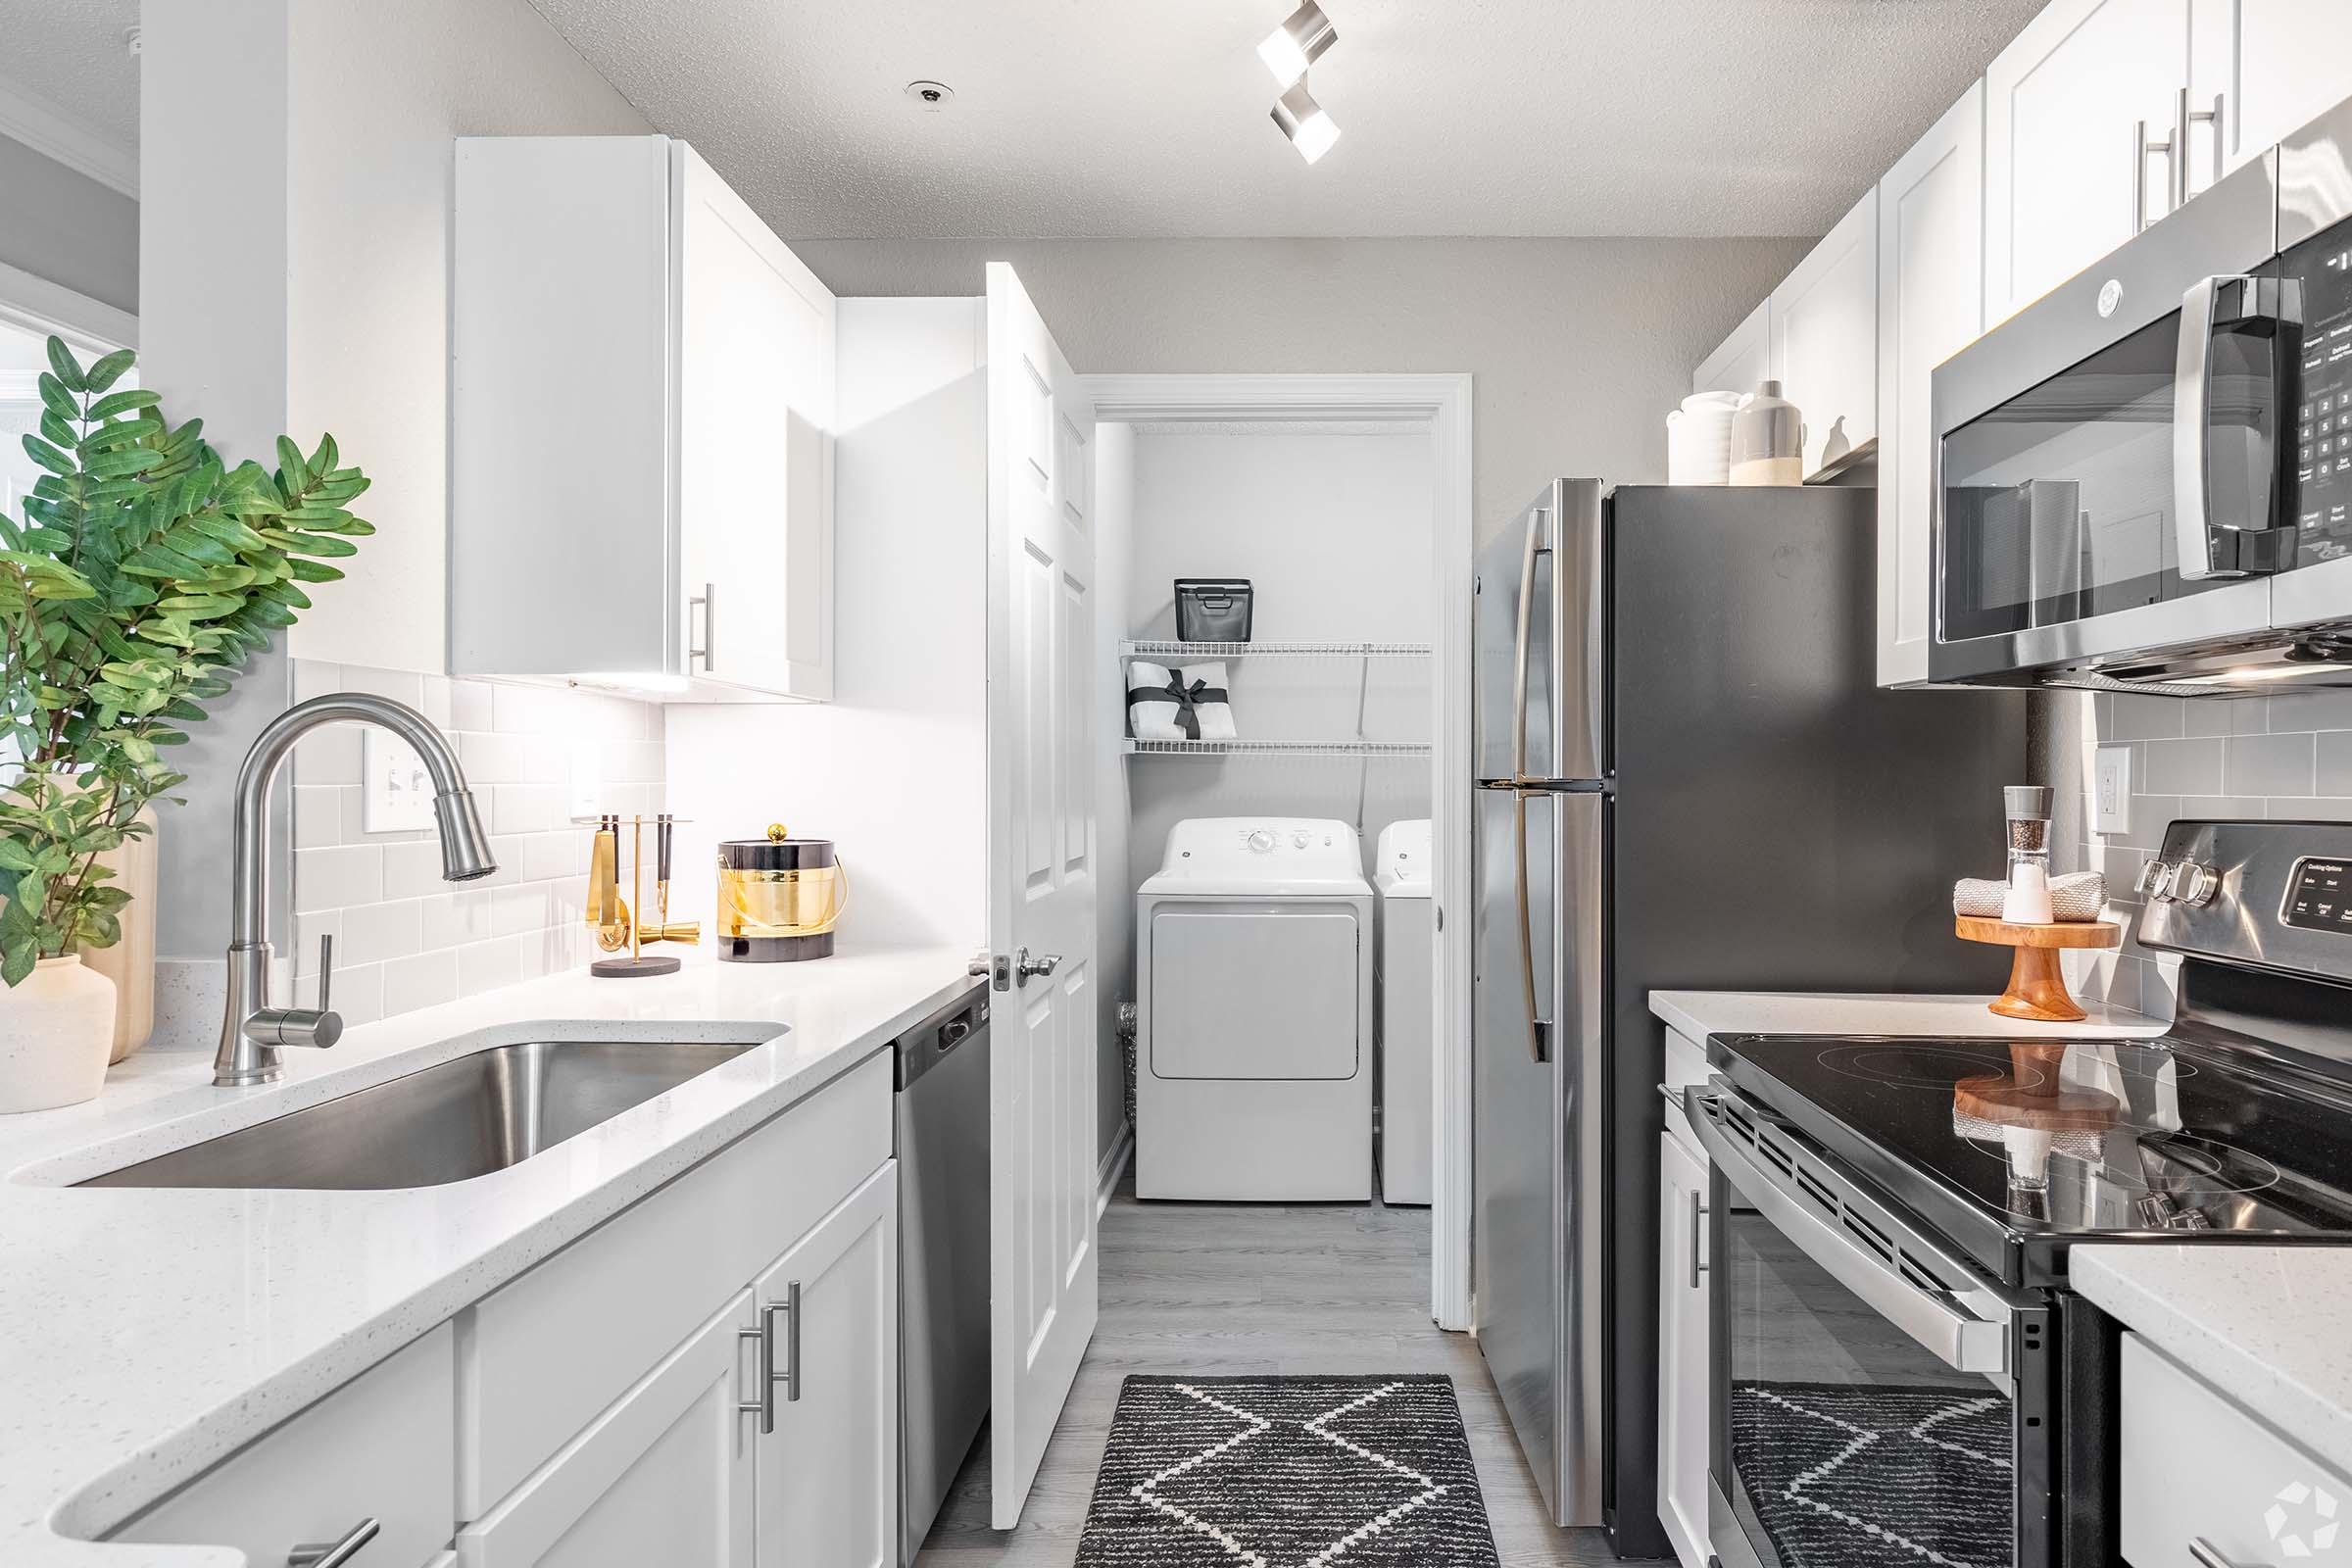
(318, 1026)
(326, 966)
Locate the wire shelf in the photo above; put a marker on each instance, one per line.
(1135, 748)
(1323, 650)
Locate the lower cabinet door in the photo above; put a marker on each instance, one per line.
(828, 1472)
(1683, 1288)
(665, 1475)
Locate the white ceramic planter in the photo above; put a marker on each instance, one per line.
(56, 1032)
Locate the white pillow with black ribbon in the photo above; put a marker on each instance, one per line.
(1189, 703)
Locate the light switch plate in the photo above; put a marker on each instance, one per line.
(396, 793)
(2111, 790)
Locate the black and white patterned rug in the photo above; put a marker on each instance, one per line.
(1877, 1477)
(1287, 1472)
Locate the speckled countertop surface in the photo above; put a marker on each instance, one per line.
(147, 1334)
(2270, 1326)
(1701, 1014)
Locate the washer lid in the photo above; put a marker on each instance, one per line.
(1406, 861)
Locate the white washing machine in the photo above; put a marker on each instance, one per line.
(1408, 1064)
(1253, 1042)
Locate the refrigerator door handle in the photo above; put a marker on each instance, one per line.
(1539, 1027)
(1527, 612)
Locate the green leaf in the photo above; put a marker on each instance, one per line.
(108, 370)
(18, 958)
(297, 474)
(63, 364)
(14, 857)
(49, 456)
(113, 403)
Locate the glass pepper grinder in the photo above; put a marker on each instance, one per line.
(2027, 899)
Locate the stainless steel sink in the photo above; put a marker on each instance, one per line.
(464, 1117)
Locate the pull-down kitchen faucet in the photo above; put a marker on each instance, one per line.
(251, 1030)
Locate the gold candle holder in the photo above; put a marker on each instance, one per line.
(608, 916)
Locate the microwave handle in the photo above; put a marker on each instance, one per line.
(2201, 550)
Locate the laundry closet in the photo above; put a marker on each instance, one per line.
(1263, 791)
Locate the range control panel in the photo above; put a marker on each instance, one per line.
(2320, 898)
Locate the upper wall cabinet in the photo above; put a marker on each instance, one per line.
(642, 403)
(2065, 175)
(1744, 358)
(1824, 329)
(1930, 285)
(2264, 69)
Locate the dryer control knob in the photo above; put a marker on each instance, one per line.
(1298, 840)
(1261, 842)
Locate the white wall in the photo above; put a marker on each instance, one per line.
(893, 769)
(293, 239)
(60, 225)
(1335, 531)
(1114, 910)
(1579, 347)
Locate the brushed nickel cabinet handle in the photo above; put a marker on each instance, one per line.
(333, 1554)
(709, 652)
(791, 1306)
(764, 1336)
(1698, 1214)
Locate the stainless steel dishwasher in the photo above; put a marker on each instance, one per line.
(943, 1256)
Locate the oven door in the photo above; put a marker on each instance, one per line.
(1875, 1401)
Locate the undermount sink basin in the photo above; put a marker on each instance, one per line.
(460, 1118)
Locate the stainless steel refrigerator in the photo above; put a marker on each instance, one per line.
(1687, 778)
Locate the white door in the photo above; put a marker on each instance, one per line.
(755, 450)
(663, 1476)
(2060, 167)
(2272, 64)
(1931, 306)
(1683, 1368)
(1041, 873)
(828, 1483)
(1825, 336)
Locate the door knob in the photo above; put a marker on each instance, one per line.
(1026, 967)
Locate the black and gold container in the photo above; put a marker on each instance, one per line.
(779, 897)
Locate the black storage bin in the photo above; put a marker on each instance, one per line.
(1213, 609)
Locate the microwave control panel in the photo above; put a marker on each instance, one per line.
(2324, 397)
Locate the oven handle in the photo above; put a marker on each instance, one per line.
(1961, 1339)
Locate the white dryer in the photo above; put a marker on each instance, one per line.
(1254, 1044)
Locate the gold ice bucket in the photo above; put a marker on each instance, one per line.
(779, 897)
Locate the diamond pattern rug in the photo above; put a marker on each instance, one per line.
(1878, 1476)
(1287, 1472)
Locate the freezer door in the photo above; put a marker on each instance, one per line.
(1540, 701)
(1538, 1037)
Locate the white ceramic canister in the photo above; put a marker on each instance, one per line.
(57, 1029)
(1768, 439)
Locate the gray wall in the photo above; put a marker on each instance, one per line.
(1579, 347)
(60, 225)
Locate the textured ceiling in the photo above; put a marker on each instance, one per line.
(1087, 118)
(70, 54)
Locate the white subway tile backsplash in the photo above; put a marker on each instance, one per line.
(2266, 764)
(405, 939)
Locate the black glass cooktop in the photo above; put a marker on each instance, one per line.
(2017, 1146)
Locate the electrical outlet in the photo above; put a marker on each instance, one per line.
(396, 793)
(2111, 790)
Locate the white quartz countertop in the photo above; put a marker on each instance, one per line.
(146, 1333)
(1701, 1014)
(2267, 1325)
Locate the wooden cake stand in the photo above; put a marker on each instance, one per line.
(2036, 984)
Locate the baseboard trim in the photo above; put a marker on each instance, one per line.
(1113, 1166)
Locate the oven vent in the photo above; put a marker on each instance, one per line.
(1869, 1235)
(1784, 1158)
(1811, 1186)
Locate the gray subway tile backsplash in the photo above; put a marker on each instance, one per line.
(2266, 764)
(2182, 766)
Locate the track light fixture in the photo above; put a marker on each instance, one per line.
(1311, 131)
(1297, 44)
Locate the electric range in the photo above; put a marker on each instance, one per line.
(1899, 1370)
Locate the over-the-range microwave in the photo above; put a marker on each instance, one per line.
(2143, 480)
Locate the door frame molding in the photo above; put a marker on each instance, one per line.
(1443, 404)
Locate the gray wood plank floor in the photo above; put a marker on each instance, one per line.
(1215, 1288)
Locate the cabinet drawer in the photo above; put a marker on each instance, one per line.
(540, 1358)
(2197, 1466)
(378, 1449)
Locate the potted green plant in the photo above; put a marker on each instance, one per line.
(143, 575)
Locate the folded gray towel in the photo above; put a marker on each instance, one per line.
(2075, 896)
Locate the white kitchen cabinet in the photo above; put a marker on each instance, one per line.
(1931, 294)
(2197, 1466)
(1824, 333)
(2060, 164)
(2272, 64)
(1741, 360)
(642, 405)
(378, 1449)
(1682, 1366)
(828, 1474)
(663, 1474)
